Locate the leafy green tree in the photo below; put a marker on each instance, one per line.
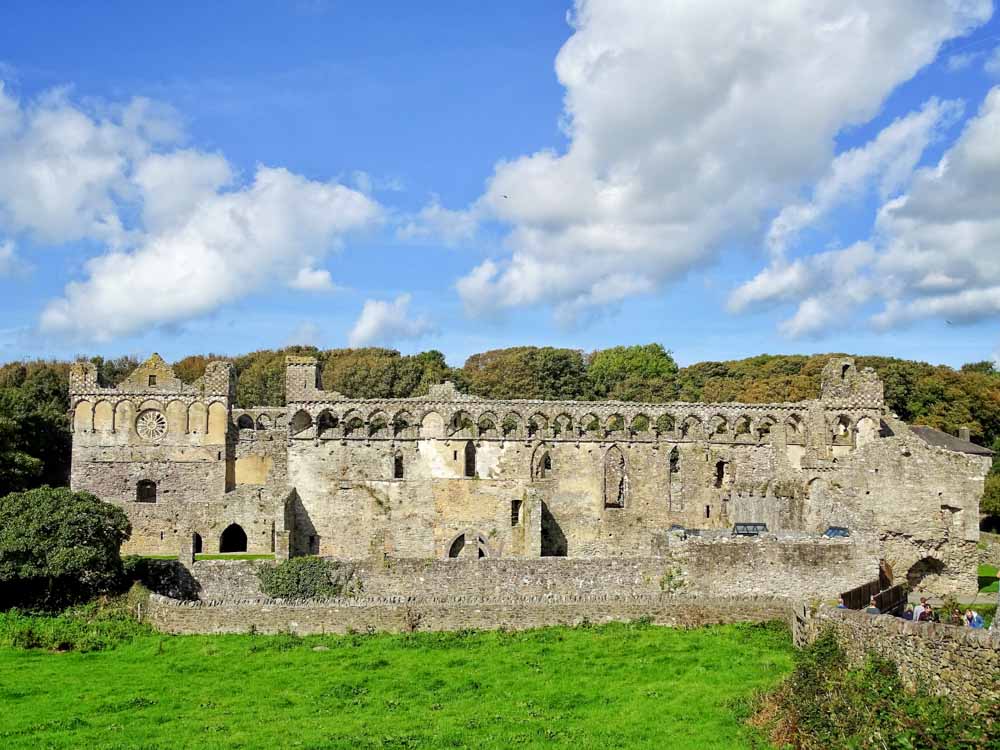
(991, 496)
(34, 437)
(58, 547)
(633, 373)
(527, 372)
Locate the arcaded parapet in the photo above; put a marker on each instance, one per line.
(453, 476)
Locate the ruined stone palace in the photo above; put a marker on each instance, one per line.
(449, 475)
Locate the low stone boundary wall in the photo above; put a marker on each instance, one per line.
(733, 567)
(409, 614)
(958, 663)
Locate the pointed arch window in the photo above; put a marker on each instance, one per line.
(470, 459)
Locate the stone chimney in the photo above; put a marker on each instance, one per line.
(963, 433)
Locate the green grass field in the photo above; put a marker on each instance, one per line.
(988, 581)
(615, 686)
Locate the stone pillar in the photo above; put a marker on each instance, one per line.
(186, 554)
(532, 511)
(282, 545)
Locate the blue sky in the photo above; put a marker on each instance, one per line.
(725, 180)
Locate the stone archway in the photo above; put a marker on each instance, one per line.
(233, 539)
(924, 571)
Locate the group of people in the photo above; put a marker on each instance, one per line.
(923, 612)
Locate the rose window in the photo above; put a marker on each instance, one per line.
(151, 425)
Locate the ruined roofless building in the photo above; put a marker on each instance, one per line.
(451, 475)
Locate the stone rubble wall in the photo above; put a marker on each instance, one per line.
(409, 614)
(731, 567)
(958, 663)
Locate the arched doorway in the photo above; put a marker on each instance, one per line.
(990, 524)
(928, 567)
(233, 539)
(470, 459)
(470, 545)
(196, 543)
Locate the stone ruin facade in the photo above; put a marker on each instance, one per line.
(450, 475)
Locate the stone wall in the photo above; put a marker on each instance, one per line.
(740, 567)
(958, 663)
(409, 614)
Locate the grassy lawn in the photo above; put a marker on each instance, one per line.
(988, 579)
(614, 686)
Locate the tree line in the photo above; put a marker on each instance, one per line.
(34, 399)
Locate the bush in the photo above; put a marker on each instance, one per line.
(94, 626)
(827, 704)
(58, 547)
(307, 578)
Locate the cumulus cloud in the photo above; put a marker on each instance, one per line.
(313, 280)
(437, 222)
(687, 123)
(992, 64)
(181, 234)
(889, 158)
(387, 322)
(934, 253)
(232, 243)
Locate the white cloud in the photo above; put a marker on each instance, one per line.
(232, 244)
(935, 252)
(386, 322)
(8, 260)
(890, 158)
(436, 221)
(992, 64)
(313, 280)
(687, 123)
(961, 61)
(181, 235)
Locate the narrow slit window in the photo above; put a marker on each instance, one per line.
(515, 512)
(397, 466)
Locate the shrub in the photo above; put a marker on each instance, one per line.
(307, 578)
(825, 703)
(58, 547)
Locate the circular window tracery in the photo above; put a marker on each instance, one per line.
(151, 424)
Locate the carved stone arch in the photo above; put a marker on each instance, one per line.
(842, 430)
(177, 417)
(614, 423)
(244, 422)
(640, 424)
(431, 424)
(353, 424)
(616, 483)
(794, 430)
(743, 428)
(541, 462)
(590, 424)
(691, 428)
(537, 425)
(379, 425)
(764, 427)
(562, 425)
(326, 423)
(104, 416)
(151, 403)
(512, 425)
(300, 422)
(487, 425)
(83, 416)
(469, 545)
(403, 424)
(718, 427)
(461, 424)
(665, 424)
(218, 423)
(264, 422)
(198, 418)
(125, 417)
(815, 488)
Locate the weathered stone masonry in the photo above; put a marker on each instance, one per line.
(450, 475)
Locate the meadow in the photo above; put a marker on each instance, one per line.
(622, 686)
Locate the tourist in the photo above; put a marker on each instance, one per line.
(919, 607)
(974, 619)
(926, 613)
(840, 603)
(873, 608)
(956, 618)
(907, 614)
